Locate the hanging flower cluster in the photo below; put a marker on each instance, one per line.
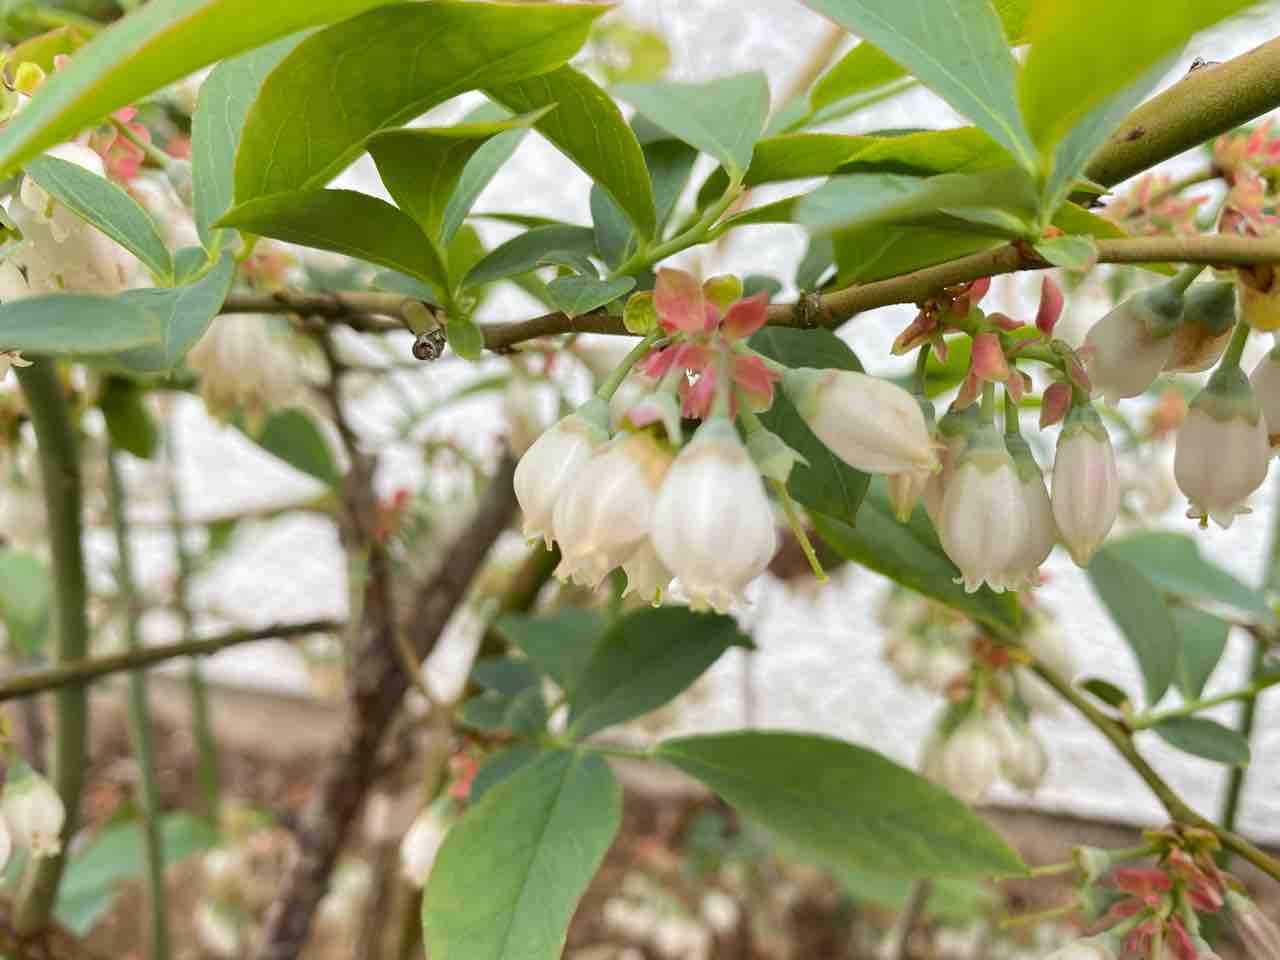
(31, 814)
(662, 508)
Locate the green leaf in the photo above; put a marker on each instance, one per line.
(1174, 564)
(107, 207)
(1205, 738)
(523, 713)
(465, 337)
(129, 423)
(1202, 638)
(958, 49)
(1139, 610)
(612, 229)
(501, 766)
(93, 879)
(345, 222)
(522, 252)
(589, 129)
(646, 660)
(421, 167)
(509, 875)
(723, 118)
(477, 174)
(1068, 72)
(670, 164)
(294, 437)
(382, 69)
(157, 44)
(393, 281)
(875, 252)
(910, 554)
(575, 296)
(1107, 692)
(76, 324)
(185, 314)
(1069, 252)
(861, 70)
(826, 483)
(503, 675)
(225, 98)
(25, 587)
(560, 645)
(846, 805)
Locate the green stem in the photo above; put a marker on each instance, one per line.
(1235, 349)
(1053, 913)
(724, 386)
(922, 369)
(988, 402)
(1012, 416)
(1117, 856)
(703, 231)
(202, 730)
(152, 152)
(1250, 692)
(1184, 277)
(638, 353)
(797, 528)
(140, 720)
(60, 474)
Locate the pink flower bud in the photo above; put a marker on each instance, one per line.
(713, 526)
(1222, 449)
(34, 812)
(984, 522)
(1086, 485)
(680, 302)
(1266, 390)
(1042, 534)
(1258, 933)
(966, 761)
(1131, 344)
(1050, 306)
(869, 423)
(546, 469)
(602, 516)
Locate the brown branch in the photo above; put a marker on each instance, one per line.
(83, 671)
(379, 685)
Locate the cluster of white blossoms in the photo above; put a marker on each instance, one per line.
(31, 815)
(659, 508)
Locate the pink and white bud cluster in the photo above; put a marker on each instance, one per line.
(968, 757)
(32, 812)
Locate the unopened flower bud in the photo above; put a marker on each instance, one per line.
(547, 467)
(1222, 449)
(967, 761)
(1092, 862)
(1086, 484)
(1258, 933)
(941, 665)
(723, 290)
(871, 424)
(1042, 534)
(1208, 315)
(421, 843)
(1132, 344)
(1023, 761)
(1266, 390)
(603, 514)
(28, 77)
(34, 812)
(713, 526)
(984, 522)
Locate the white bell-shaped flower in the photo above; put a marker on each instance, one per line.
(421, 843)
(713, 526)
(647, 576)
(1086, 485)
(1208, 316)
(942, 664)
(1266, 390)
(1023, 761)
(871, 424)
(61, 252)
(1042, 534)
(965, 760)
(953, 432)
(984, 520)
(1127, 349)
(34, 812)
(604, 512)
(159, 198)
(547, 468)
(1222, 448)
(244, 365)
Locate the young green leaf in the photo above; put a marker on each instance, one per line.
(589, 129)
(910, 554)
(522, 252)
(103, 204)
(847, 805)
(185, 314)
(161, 41)
(1139, 610)
(575, 296)
(422, 166)
(1202, 638)
(1069, 252)
(76, 324)
(499, 767)
(476, 175)
(465, 337)
(129, 423)
(509, 875)
(225, 98)
(723, 118)
(346, 222)
(1202, 737)
(957, 49)
(864, 254)
(644, 661)
(825, 483)
(25, 588)
(382, 69)
(294, 437)
(560, 645)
